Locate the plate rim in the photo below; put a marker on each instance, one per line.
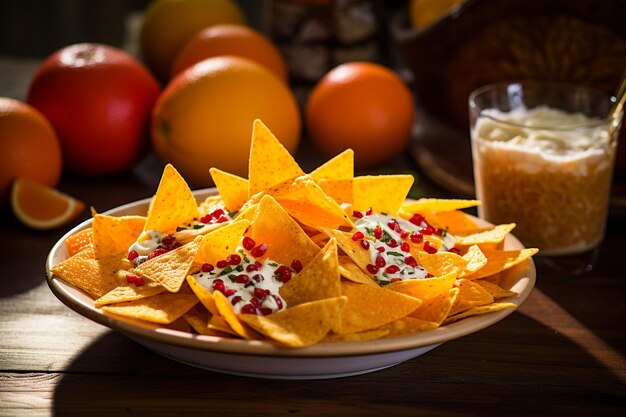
(66, 293)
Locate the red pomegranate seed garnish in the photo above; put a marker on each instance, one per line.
(217, 213)
(259, 251)
(260, 293)
(278, 301)
(380, 249)
(410, 261)
(228, 292)
(139, 282)
(438, 232)
(392, 269)
(265, 311)
(235, 299)
(251, 268)
(454, 250)
(222, 263)
(255, 302)
(233, 259)
(176, 245)
(131, 278)
(365, 244)
(168, 240)
(429, 248)
(417, 238)
(428, 230)
(392, 224)
(218, 285)
(428, 276)
(380, 261)
(222, 219)
(404, 234)
(207, 268)
(378, 232)
(248, 243)
(285, 273)
(242, 279)
(357, 236)
(417, 219)
(132, 255)
(258, 278)
(392, 243)
(248, 309)
(296, 265)
(395, 280)
(152, 255)
(372, 269)
(369, 211)
(405, 247)
(357, 214)
(206, 219)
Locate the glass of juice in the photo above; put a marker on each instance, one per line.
(543, 155)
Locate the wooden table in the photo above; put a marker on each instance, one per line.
(562, 353)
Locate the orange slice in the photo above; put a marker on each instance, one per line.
(41, 207)
(79, 241)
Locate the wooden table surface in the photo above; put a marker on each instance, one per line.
(562, 353)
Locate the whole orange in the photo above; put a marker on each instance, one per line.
(231, 40)
(168, 24)
(98, 98)
(363, 106)
(204, 117)
(28, 146)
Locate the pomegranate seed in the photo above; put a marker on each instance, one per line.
(392, 269)
(218, 285)
(251, 268)
(176, 245)
(131, 278)
(248, 309)
(217, 213)
(233, 259)
(428, 276)
(259, 251)
(410, 261)
(439, 232)
(285, 273)
(428, 230)
(357, 236)
(139, 282)
(380, 261)
(369, 211)
(278, 301)
(372, 269)
(395, 280)
(260, 293)
(255, 302)
(242, 279)
(222, 219)
(132, 255)
(429, 248)
(357, 214)
(417, 219)
(248, 243)
(258, 278)
(392, 224)
(417, 238)
(380, 249)
(228, 292)
(205, 219)
(152, 255)
(378, 232)
(392, 243)
(365, 244)
(404, 234)
(265, 311)
(296, 265)
(454, 250)
(168, 240)
(207, 268)
(235, 299)
(222, 263)
(405, 247)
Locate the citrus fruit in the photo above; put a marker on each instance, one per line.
(28, 146)
(41, 207)
(424, 12)
(363, 106)
(230, 40)
(168, 24)
(98, 98)
(204, 117)
(79, 241)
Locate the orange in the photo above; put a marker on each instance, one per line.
(79, 241)
(168, 24)
(231, 40)
(41, 207)
(363, 106)
(28, 146)
(204, 117)
(424, 12)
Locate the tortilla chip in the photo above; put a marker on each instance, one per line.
(115, 234)
(452, 221)
(426, 288)
(198, 319)
(470, 295)
(475, 259)
(171, 268)
(284, 238)
(338, 190)
(266, 154)
(340, 167)
(441, 263)
(352, 248)
(96, 277)
(436, 205)
(318, 280)
(436, 309)
(220, 243)
(299, 326)
(204, 295)
(369, 307)
(218, 324)
(129, 292)
(351, 271)
(232, 188)
(493, 235)
(226, 311)
(497, 292)
(383, 193)
(475, 311)
(162, 308)
(172, 205)
(407, 325)
(502, 260)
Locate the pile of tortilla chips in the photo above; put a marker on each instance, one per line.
(298, 216)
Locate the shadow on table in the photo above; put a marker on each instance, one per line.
(518, 366)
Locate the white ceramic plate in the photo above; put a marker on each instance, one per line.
(266, 359)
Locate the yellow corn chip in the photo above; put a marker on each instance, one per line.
(162, 308)
(226, 311)
(475, 259)
(383, 193)
(441, 263)
(299, 326)
(369, 307)
(455, 222)
(171, 268)
(491, 235)
(501, 260)
(352, 248)
(434, 204)
(96, 277)
(248, 213)
(338, 190)
(270, 163)
(180, 325)
(407, 325)
(284, 238)
(497, 292)
(425, 288)
(340, 167)
(436, 309)
(351, 271)
(470, 295)
(232, 188)
(172, 205)
(475, 311)
(129, 292)
(115, 234)
(318, 280)
(220, 243)
(198, 319)
(204, 295)
(218, 324)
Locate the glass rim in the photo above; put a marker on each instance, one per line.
(609, 119)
